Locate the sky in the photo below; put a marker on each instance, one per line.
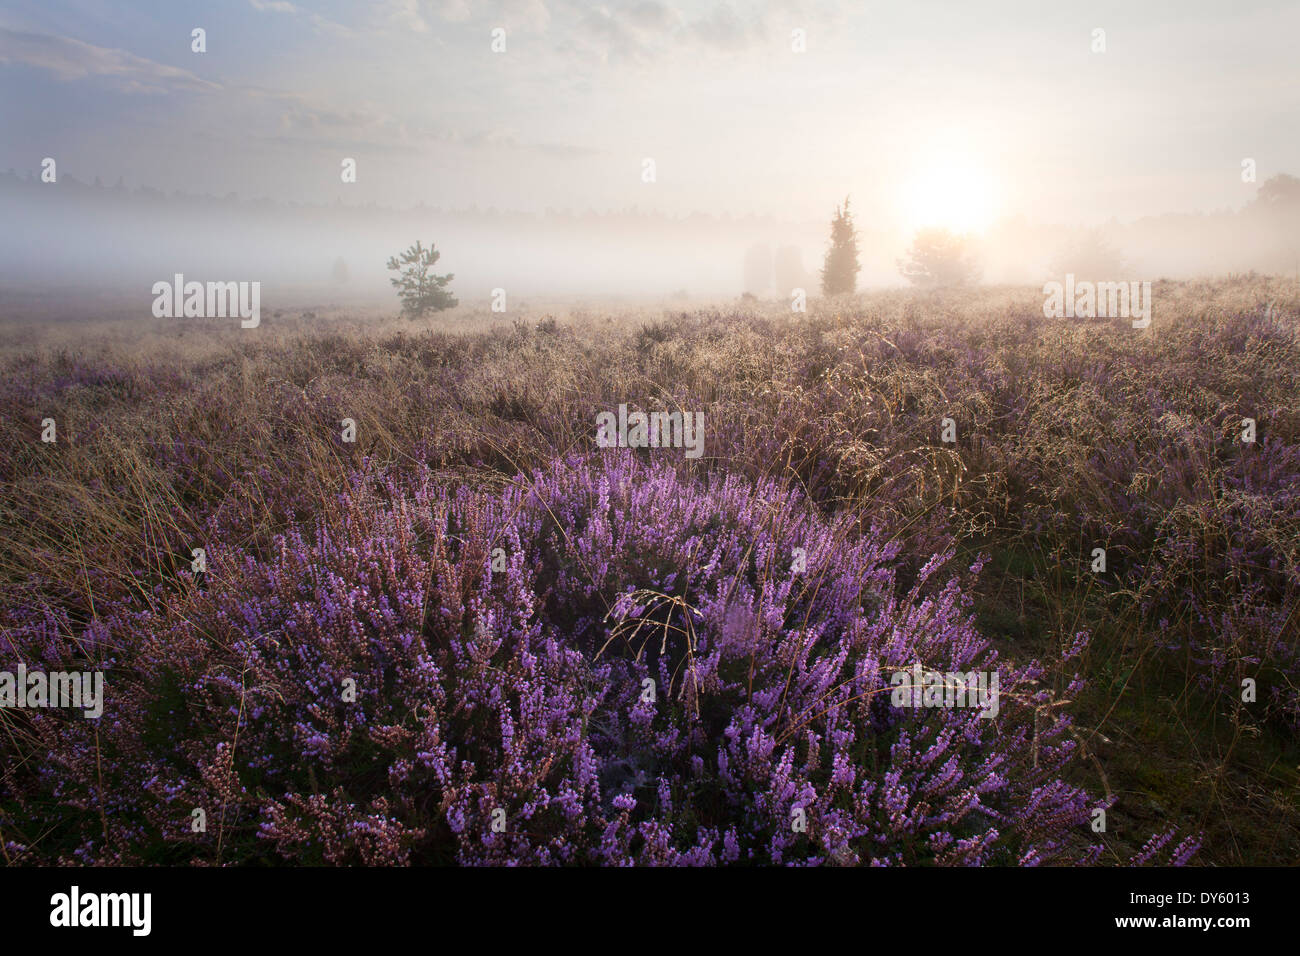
(926, 113)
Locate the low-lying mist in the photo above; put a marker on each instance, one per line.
(80, 241)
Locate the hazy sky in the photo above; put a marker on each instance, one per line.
(960, 111)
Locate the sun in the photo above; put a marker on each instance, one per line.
(958, 196)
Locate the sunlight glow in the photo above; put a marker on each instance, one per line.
(949, 194)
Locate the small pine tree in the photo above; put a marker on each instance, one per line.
(420, 291)
(840, 273)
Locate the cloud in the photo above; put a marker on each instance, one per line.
(407, 15)
(418, 15)
(653, 29)
(505, 142)
(70, 59)
(454, 11)
(293, 112)
(638, 34)
(653, 15)
(301, 121)
(273, 6)
(724, 29)
(525, 14)
(283, 6)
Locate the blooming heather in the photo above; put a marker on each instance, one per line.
(646, 682)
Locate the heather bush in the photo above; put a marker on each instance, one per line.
(523, 690)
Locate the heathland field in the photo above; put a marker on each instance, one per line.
(371, 591)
